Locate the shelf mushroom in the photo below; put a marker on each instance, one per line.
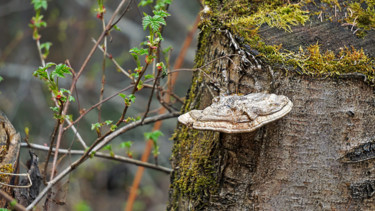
(238, 113)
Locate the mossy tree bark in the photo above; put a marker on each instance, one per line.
(319, 156)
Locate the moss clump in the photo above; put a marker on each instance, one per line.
(359, 17)
(7, 168)
(312, 61)
(282, 17)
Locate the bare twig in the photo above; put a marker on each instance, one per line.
(17, 186)
(114, 61)
(103, 155)
(150, 99)
(40, 53)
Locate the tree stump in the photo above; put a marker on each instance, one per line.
(9, 153)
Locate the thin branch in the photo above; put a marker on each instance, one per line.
(98, 147)
(103, 155)
(150, 99)
(40, 53)
(114, 61)
(103, 80)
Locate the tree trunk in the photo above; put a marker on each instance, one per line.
(9, 152)
(317, 157)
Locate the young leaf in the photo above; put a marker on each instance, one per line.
(95, 126)
(161, 13)
(132, 98)
(145, 3)
(39, 4)
(149, 76)
(108, 147)
(122, 95)
(61, 70)
(126, 144)
(153, 135)
(72, 99)
(108, 122)
(55, 109)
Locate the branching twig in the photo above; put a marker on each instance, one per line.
(106, 140)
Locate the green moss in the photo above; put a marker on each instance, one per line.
(360, 17)
(282, 17)
(7, 168)
(195, 150)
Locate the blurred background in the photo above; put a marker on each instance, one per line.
(98, 184)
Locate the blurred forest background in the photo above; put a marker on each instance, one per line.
(71, 24)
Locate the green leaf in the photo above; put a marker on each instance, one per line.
(95, 126)
(62, 90)
(4, 209)
(1, 78)
(39, 4)
(138, 51)
(146, 21)
(148, 76)
(116, 27)
(61, 70)
(154, 22)
(140, 85)
(126, 144)
(72, 99)
(153, 135)
(161, 13)
(132, 97)
(108, 147)
(45, 46)
(145, 3)
(55, 109)
(122, 95)
(108, 122)
(113, 127)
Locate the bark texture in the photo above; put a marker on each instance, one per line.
(295, 163)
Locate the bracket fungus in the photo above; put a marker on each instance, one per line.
(238, 114)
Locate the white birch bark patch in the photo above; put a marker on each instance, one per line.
(238, 114)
